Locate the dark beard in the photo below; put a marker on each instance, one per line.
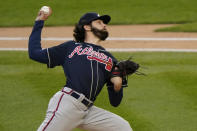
(101, 34)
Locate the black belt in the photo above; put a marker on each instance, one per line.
(84, 101)
(75, 95)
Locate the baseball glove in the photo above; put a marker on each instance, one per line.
(125, 68)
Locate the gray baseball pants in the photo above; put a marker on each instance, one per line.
(65, 113)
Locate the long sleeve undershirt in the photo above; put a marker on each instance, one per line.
(34, 47)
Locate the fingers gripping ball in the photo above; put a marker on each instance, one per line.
(44, 13)
(45, 9)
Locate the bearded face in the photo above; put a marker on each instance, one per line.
(102, 34)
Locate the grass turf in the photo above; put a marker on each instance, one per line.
(23, 13)
(165, 99)
(190, 27)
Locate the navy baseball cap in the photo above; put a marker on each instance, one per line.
(89, 17)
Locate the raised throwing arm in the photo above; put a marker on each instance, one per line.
(34, 47)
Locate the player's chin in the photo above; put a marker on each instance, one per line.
(103, 39)
(103, 35)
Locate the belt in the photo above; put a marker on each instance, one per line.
(77, 95)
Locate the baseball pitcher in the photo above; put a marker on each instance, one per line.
(87, 67)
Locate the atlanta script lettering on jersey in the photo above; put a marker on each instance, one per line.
(93, 55)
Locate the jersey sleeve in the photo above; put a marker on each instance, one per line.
(115, 98)
(34, 47)
(57, 54)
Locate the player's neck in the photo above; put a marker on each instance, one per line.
(96, 42)
(90, 38)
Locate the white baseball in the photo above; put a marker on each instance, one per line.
(45, 9)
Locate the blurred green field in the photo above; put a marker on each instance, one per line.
(23, 12)
(164, 100)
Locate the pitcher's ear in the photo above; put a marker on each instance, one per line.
(87, 27)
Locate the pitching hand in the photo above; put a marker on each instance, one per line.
(43, 15)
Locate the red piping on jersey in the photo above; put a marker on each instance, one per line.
(53, 113)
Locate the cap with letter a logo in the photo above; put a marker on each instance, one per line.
(91, 16)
